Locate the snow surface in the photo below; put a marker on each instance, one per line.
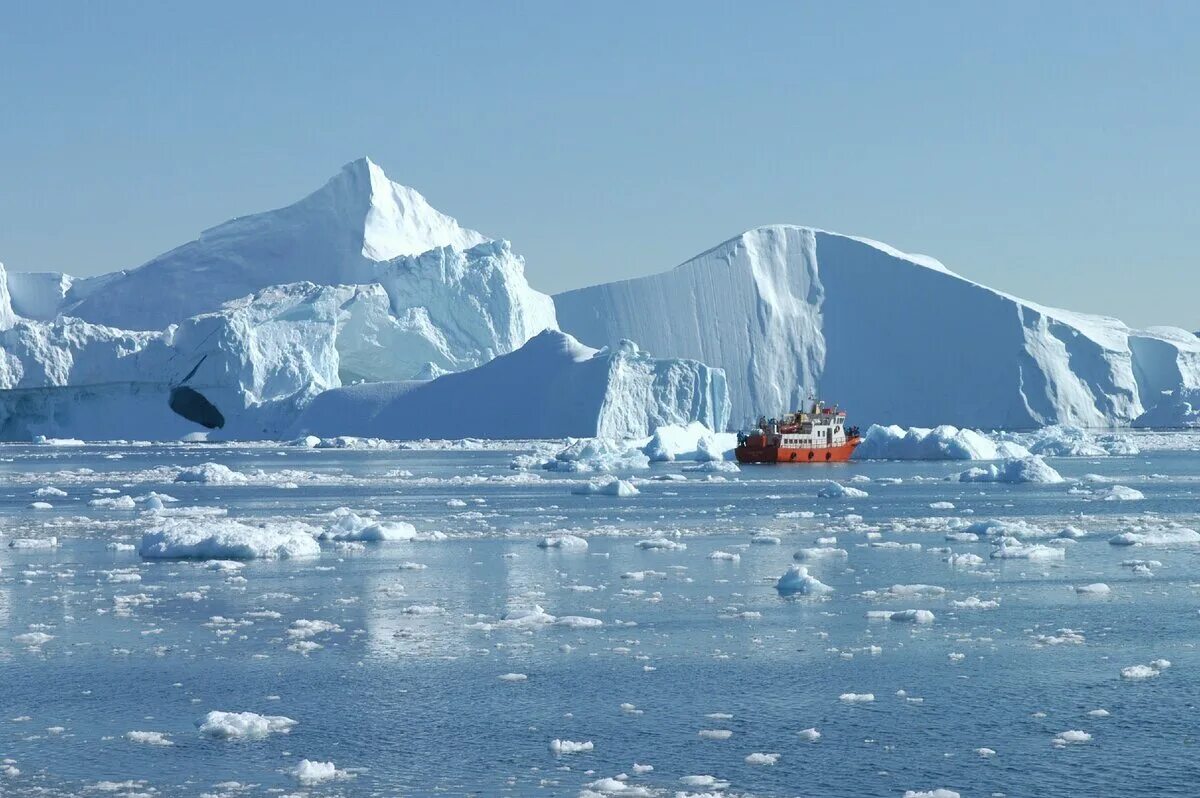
(893, 337)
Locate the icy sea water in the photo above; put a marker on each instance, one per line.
(402, 691)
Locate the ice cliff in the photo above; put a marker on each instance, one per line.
(551, 387)
(895, 338)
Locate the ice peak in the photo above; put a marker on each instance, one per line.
(398, 220)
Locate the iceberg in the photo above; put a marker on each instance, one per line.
(785, 310)
(552, 387)
(226, 539)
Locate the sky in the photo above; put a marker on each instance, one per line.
(1048, 150)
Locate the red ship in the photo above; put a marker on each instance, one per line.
(819, 435)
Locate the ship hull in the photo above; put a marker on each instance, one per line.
(787, 454)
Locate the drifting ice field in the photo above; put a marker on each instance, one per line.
(398, 661)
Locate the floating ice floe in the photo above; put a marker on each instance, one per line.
(940, 792)
(620, 488)
(1137, 672)
(33, 543)
(975, 603)
(836, 490)
(587, 455)
(243, 725)
(225, 539)
(965, 560)
(715, 734)
(309, 772)
(660, 544)
(1157, 536)
(564, 542)
(724, 555)
(349, 526)
(1013, 549)
(1120, 493)
(903, 616)
(761, 759)
(1014, 471)
(671, 442)
(819, 553)
(569, 746)
(812, 735)
(1070, 737)
(1094, 589)
(940, 443)
(148, 738)
(797, 580)
(856, 698)
(211, 474)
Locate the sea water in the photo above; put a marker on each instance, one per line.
(396, 663)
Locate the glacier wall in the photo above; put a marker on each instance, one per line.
(895, 338)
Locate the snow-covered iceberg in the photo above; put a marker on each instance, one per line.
(551, 387)
(893, 337)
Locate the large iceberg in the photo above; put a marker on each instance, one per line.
(336, 235)
(895, 338)
(551, 387)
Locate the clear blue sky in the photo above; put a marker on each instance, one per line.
(1045, 149)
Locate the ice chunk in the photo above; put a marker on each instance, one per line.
(564, 542)
(569, 746)
(941, 443)
(797, 580)
(243, 725)
(1015, 471)
(694, 441)
(309, 772)
(1157, 536)
(612, 487)
(226, 539)
(835, 490)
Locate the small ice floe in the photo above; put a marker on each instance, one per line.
(111, 503)
(578, 622)
(761, 759)
(941, 506)
(706, 781)
(569, 746)
(902, 616)
(33, 543)
(49, 492)
(1061, 637)
(304, 628)
(940, 792)
(1070, 737)
(243, 725)
(986, 753)
(148, 738)
(41, 506)
(412, 566)
(819, 553)
(975, 603)
(856, 698)
(905, 591)
(1137, 672)
(797, 580)
(1015, 471)
(724, 555)
(965, 560)
(32, 640)
(1099, 713)
(513, 677)
(119, 546)
(715, 734)
(836, 490)
(1013, 549)
(761, 539)
(962, 537)
(564, 542)
(424, 609)
(620, 488)
(812, 735)
(1094, 589)
(1157, 536)
(587, 455)
(211, 474)
(456, 503)
(1120, 493)
(660, 544)
(226, 539)
(714, 467)
(310, 772)
(349, 526)
(642, 768)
